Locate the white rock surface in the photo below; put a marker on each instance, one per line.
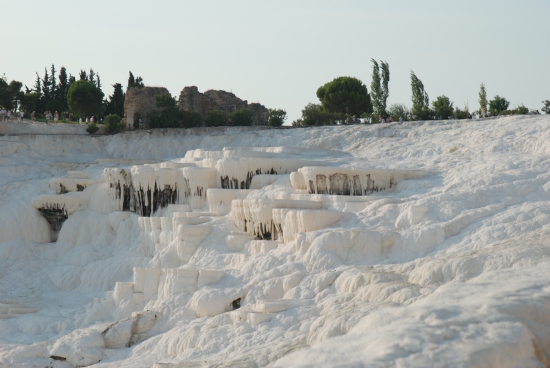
(446, 269)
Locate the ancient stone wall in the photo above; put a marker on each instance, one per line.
(140, 100)
(191, 99)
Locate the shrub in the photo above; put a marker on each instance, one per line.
(313, 114)
(276, 117)
(443, 107)
(242, 117)
(92, 128)
(498, 105)
(216, 118)
(397, 111)
(190, 119)
(112, 124)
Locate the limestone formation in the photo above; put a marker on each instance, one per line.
(140, 100)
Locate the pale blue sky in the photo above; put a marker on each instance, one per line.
(280, 52)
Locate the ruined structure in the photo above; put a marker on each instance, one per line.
(191, 99)
(140, 100)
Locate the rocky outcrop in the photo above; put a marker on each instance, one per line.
(191, 99)
(140, 100)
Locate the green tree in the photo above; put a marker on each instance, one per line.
(46, 89)
(397, 111)
(276, 117)
(83, 75)
(11, 95)
(242, 117)
(30, 101)
(63, 87)
(420, 98)
(313, 114)
(134, 82)
(112, 124)
(380, 86)
(443, 107)
(55, 105)
(216, 118)
(115, 105)
(546, 107)
(482, 100)
(85, 98)
(497, 105)
(190, 119)
(53, 84)
(345, 96)
(167, 115)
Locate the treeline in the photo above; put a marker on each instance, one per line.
(346, 99)
(52, 91)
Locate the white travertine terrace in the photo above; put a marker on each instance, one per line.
(254, 216)
(66, 204)
(219, 200)
(344, 181)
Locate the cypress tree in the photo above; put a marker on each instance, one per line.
(131, 81)
(420, 99)
(385, 84)
(83, 75)
(482, 100)
(91, 76)
(376, 88)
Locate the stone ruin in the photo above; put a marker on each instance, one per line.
(142, 101)
(191, 99)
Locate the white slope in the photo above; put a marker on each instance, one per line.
(448, 269)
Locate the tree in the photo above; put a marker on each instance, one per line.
(397, 111)
(276, 117)
(132, 82)
(190, 119)
(497, 105)
(216, 118)
(546, 108)
(420, 98)
(482, 100)
(345, 96)
(30, 101)
(91, 77)
(242, 117)
(46, 96)
(53, 83)
(11, 95)
(85, 98)
(63, 87)
(112, 124)
(380, 86)
(83, 75)
(443, 107)
(116, 101)
(313, 114)
(167, 114)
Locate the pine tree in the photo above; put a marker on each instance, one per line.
(116, 101)
(46, 97)
(63, 86)
(420, 99)
(53, 84)
(91, 76)
(482, 100)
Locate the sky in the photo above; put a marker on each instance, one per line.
(279, 52)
